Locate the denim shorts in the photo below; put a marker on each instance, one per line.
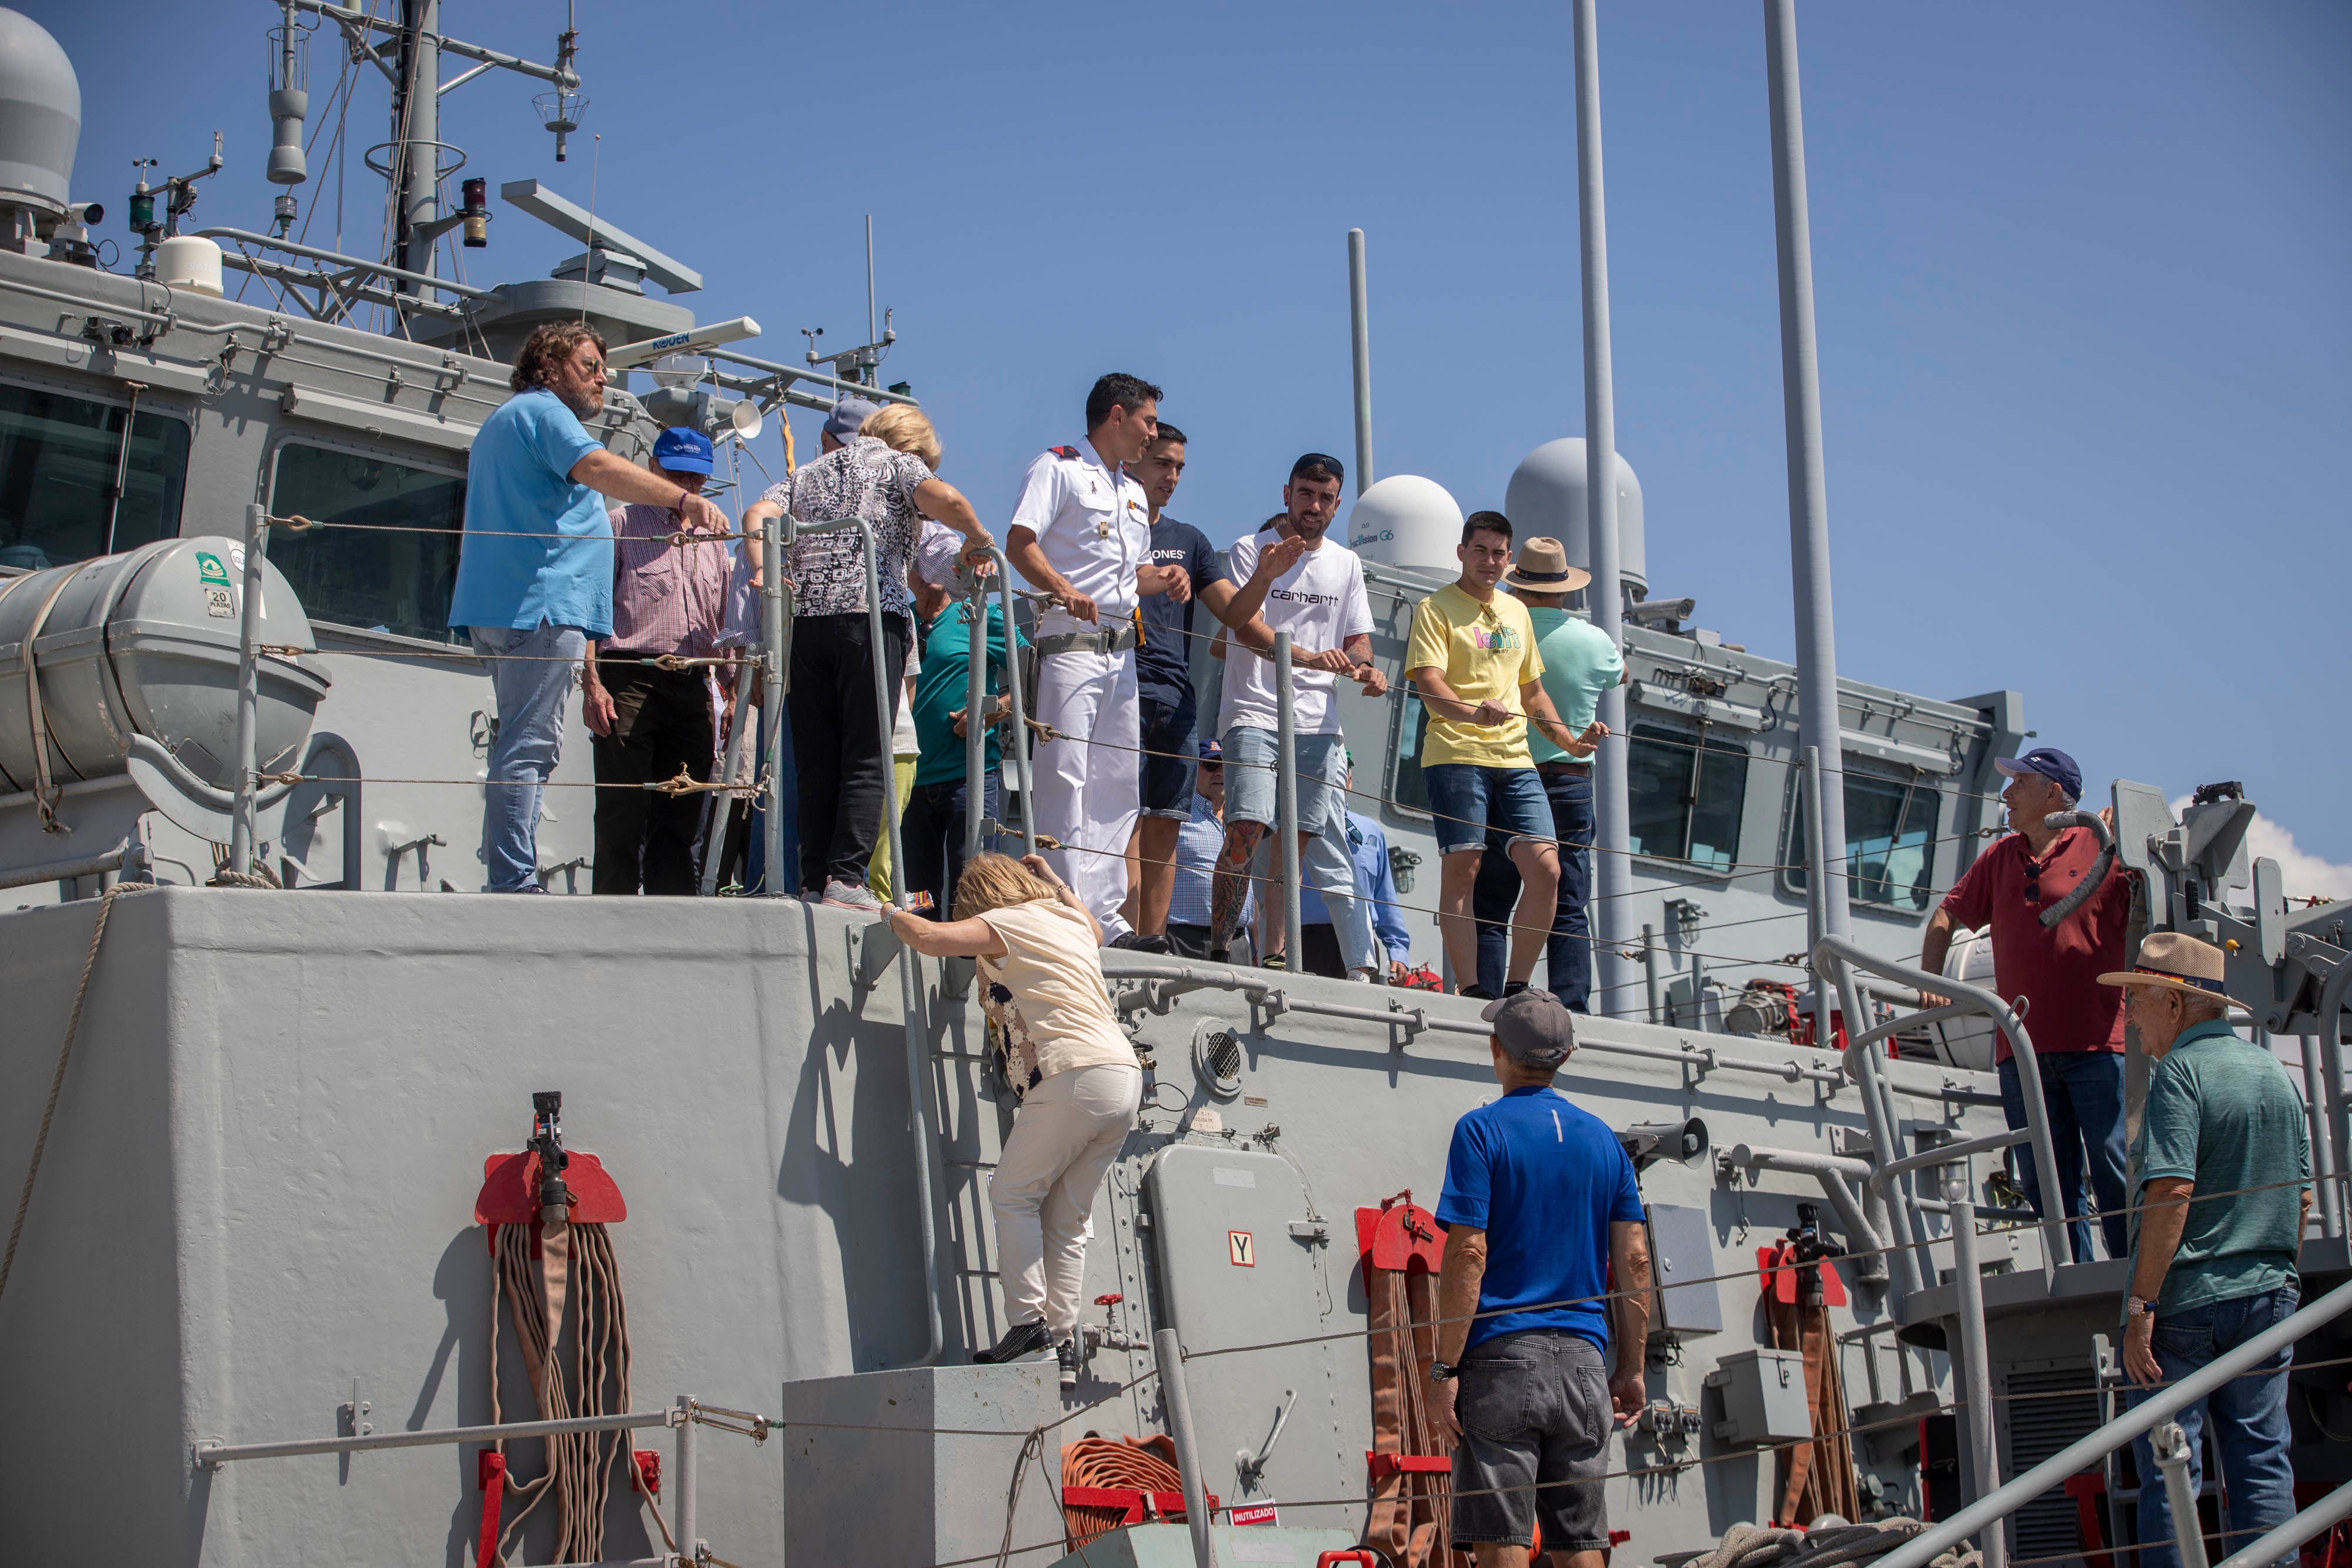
(1168, 760)
(1467, 801)
(1250, 782)
(1535, 1414)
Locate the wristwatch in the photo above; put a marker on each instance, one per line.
(1443, 1372)
(2139, 1307)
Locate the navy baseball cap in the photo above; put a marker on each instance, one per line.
(2051, 763)
(847, 415)
(1211, 752)
(683, 451)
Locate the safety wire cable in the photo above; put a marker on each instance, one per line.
(1910, 1417)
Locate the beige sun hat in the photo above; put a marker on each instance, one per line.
(1543, 567)
(2173, 962)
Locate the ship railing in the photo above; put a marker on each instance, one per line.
(1983, 1516)
(687, 1549)
(1842, 963)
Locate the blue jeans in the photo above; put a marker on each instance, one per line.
(931, 832)
(2084, 1091)
(1467, 801)
(1569, 953)
(2249, 1426)
(530, 687)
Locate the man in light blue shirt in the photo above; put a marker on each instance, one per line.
(535, 570)
(1198, 845)
(1367, 850)
(1580, 663)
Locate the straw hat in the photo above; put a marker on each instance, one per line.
(1543, 567)
(2174, 963)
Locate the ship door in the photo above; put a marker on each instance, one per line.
(1243, 1262)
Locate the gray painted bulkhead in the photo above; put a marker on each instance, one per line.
(258, 1193)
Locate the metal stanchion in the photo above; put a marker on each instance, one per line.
(722, 814)
(775, 650)
(248, 692)
(975, 725)
(687, 1522)
(2170, 1445)
(1286, 802)
(1650, 966)
(1982, 1441)
(2322, 1156)
(1016, 750)
(1179, 1404)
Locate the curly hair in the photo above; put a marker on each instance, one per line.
(551, 343)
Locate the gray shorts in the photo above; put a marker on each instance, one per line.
(1534, 1409)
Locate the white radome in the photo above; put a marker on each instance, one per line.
(1407, 520)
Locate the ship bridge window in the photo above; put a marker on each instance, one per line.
(58, 459)
(396, 574)
(1685, 792)
(1890, 832)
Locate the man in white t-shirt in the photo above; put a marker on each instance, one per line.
(1082, 533)
(1293, 578)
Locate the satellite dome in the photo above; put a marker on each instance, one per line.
(1546, 498)
(1407, 520)
(40, 116)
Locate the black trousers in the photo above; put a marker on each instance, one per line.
(840, 748)
(661, 723)
(931, 832)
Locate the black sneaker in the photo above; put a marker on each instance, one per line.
(1221, 954)
(1140, 942)
(1019, 1340)
(1066, 1355)
(1513, 988)
(1476, 993)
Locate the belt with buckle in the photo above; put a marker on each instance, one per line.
(1117, 640)
(1578, 769)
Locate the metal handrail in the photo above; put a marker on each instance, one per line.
(212, 1453)
(2006, 1499)
(2270, 1548)
(1841, 956)
(1948, 1154)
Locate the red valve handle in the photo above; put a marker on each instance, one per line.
(1110, 1300)
(1352, 1555)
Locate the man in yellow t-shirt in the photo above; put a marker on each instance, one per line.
(1473, 657)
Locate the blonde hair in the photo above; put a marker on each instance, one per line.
(991, 881)
(903, 427)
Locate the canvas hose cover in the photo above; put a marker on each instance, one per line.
(1816, 1478)
(1411, 1513)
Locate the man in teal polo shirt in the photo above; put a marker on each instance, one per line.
(535, 570)
(1580, 663)
(2224, 1162)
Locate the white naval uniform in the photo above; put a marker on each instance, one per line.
(1093, 525)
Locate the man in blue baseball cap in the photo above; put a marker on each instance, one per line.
(652, 724)
(1198, 843)
(2076, 1024)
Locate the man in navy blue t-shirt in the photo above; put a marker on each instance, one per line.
(1540, 1206)
(1163, 686)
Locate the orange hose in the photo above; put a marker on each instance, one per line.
(1122, 1463)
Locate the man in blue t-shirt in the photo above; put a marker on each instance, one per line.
(1540, 1207)
(1163, 685)
(535, 570)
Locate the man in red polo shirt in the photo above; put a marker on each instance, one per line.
(2076, 1024)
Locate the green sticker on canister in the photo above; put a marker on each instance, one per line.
(210, 568)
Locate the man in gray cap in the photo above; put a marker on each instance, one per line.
(1539, 1205)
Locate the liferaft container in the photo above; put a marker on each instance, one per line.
(145, 643)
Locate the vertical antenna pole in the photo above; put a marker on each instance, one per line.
(1809, 509)
(870, 332)
(1817, 862)
(1360, 322)
(1286, 803)
(248, 692)
(1613, 878)
(416, 126)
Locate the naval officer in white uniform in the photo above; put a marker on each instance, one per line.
(1083, 534)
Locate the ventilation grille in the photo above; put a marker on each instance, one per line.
(2047, 1409)
(1217, 1059)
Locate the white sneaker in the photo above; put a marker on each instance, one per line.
(846, 895)
(1362, 975)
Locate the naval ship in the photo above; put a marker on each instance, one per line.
(367, 1219)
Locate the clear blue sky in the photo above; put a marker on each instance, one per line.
(2086, 344)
